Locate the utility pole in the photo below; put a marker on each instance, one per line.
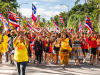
(99, 19)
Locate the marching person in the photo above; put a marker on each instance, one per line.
(98, 48)
(1, 46)
(11, 35)
(93, 44)
(65, 49)
(38, 46)
(56, 47)
(21, 53)
(86, 46)
(77, 51)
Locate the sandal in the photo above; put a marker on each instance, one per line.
(93, 64)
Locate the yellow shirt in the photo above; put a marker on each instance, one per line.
(21, 54)
(65, 45)
(1, 45)
(5, 43)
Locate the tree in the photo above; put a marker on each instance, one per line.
(48, 24)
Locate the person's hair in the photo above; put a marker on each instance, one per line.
(75, 36)
(98, 36)
(0, 31)
(66, 35)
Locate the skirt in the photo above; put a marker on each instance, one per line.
(77, 54)
(64, 57)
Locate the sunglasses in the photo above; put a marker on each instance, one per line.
(12, 32)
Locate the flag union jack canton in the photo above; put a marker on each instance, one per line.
(13, 16)
(55, 25)
(88, 24)
(4, 21)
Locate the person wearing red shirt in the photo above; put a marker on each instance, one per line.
(82, 44)
(93, 44)
(86, 39)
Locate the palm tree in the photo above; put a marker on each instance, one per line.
(51, 19)
(49, 24)
(43, 20)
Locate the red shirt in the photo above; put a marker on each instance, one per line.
(82, 43)
(93, 42)
(86, 41)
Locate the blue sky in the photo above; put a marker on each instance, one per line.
(46, 8)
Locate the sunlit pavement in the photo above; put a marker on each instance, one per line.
(33, 69)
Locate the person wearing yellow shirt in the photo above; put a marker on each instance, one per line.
(5, 44)
(1, 47)
(21, 54)
(65, 49)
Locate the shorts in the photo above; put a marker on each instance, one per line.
(98, 48)
(84, 50)
(93, 51)
(55, 52)
(56, 48)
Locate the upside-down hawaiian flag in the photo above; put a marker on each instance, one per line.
(88, 24)
(32, 43)
(31, 27)
(80, 27)
(13, 18)
(55, 25)
(33, 16)
(4, 22)
(61, 19)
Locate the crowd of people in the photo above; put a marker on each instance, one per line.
(32, 46)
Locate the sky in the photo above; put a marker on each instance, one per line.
(46, 8)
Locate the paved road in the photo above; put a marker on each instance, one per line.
(33, 69)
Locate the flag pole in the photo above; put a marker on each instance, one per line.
(8, 16)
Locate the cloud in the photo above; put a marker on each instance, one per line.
(40, 6)
(34, 2)
(40, 11)
(48, 4)
(59, 7)
(51, 0)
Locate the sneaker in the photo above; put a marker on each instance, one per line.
(12, 63)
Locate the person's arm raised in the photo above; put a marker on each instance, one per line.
(47, 31)
(15, 39)
(41, 31)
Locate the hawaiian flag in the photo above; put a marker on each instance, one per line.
(55, 25)
(88, 24)
(38, 29)
(9, 40)
(61, 19)
(31, 27)
(13, 18)
(80, 27)
(32, 43)
(4, 22)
